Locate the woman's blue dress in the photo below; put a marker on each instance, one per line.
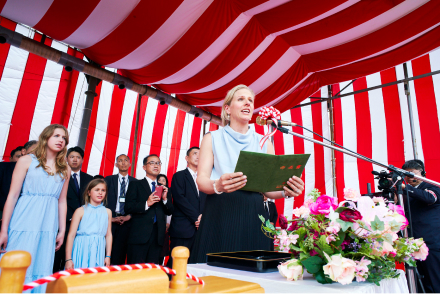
(34, 222)
(89, 244)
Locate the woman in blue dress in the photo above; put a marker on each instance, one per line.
(34, 216)
(230, 219)
(90, 234)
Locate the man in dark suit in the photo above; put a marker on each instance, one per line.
(77, 185)
(6, 171)
(148, 212)
(117, 186)
(188, 204)
(16, 154)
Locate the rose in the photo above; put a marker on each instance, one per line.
(423, 251)
(349, 215)
(293, 226)
(291, 269)
(351, 194)
(340, 269)
(283, 221)
(323, 205)
(302, 212)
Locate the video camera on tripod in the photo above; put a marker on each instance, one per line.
(386, 183)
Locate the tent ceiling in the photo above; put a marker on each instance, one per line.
(284, 50)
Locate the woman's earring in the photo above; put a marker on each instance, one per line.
(229, 117)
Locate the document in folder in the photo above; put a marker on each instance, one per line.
(266, 172)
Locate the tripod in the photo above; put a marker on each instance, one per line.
(399, 176)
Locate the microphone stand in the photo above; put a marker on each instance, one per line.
(399, 173)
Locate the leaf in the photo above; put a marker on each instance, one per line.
(377, 224)
(388, 238)
(322, 278)
(344, 225)
(303, 255)
(341, 235)
(262, 218)
(313, 264)
(269, 225)
(395, 225)
(322, 243)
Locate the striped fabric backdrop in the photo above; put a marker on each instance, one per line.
(35, 92)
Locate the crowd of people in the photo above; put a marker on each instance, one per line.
(66, 218)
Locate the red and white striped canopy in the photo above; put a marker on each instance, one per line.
(284, 50)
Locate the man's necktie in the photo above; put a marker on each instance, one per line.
(153, 184)
(266, 207)
(75, 181)
(122, 195)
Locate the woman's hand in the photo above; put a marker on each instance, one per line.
(231, 182)
(296, 187)
(59, 241)
(107, 261)
(69, 265)
(3, 242)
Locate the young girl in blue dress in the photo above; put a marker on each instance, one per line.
(89, 242)
(34, 216)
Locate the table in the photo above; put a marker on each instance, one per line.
(275, 283)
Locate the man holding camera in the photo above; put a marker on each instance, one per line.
(425, 216)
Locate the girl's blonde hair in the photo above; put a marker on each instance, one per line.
(40, 150)
(90, 186)
(228, 100)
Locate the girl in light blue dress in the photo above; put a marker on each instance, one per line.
(90, 234)
(34, 216)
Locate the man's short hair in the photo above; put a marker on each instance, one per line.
(30, 144)
(415, 164)
(144, 162)
(15, 150)
(75, 149)
(117, 157)
(191, 149)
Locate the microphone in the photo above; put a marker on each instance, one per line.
(263, 122)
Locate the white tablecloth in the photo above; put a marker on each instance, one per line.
(275, 283)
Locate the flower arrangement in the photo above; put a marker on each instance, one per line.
(340, 242)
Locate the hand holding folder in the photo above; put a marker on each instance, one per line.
(267, 172)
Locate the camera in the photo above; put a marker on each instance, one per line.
(385, 183)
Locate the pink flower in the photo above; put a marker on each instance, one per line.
(360, 277)
(323, 205)
(423, 251)
(351, 194)
(308, 202)
(330, 238)
(340, 269)
(396, 208)
(302, 212)
(362, 265)
(291, 269)
(333, 227)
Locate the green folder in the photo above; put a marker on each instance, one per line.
(266, 172)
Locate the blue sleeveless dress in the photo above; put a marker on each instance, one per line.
(89, 244)
(34, 222)
(230, 221)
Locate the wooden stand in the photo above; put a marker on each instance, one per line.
(13, 271)
(15, 263)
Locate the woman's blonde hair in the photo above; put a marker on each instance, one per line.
(40, 150)
(90, 186)
(228, 100)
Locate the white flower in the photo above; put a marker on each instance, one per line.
(291, 269)
(340, 269)
(302, 212)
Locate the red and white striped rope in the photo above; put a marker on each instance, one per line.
(102, 269)
(269, 113)
(194, 278)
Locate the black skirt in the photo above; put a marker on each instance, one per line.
(229, 223)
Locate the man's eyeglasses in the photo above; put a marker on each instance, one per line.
(155, 163)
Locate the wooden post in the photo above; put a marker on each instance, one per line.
(180, 257)
(13, 267)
